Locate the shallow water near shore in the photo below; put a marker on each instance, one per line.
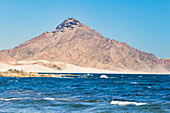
(119, 93)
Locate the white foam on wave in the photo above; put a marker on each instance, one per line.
(9, 99)
(134, 82)
(126, 103)
(47, 98)
(149, 87)
(53, 75)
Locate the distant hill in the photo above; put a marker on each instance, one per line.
(75, 43)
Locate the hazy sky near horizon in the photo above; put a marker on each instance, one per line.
(142, 24)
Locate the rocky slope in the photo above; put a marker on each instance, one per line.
(75, 43)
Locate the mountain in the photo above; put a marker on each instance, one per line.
(75, 43)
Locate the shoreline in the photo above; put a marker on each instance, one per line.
(109, 73)
(21, 73)
(39, 66)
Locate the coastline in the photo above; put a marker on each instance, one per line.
(36, 66)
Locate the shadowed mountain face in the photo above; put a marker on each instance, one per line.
(75, 43)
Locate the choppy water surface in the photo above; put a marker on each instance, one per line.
(127, 93)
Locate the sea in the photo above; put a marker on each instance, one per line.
(86, 93)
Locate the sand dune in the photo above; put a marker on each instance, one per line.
(30, 66)
(47, 66)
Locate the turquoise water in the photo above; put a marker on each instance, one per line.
(86, 95)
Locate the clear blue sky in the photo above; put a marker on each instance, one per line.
(142, 24)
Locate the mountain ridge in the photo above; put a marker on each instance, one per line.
(75, 43)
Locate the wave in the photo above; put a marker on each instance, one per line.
(8, 99)
(149, 87)
(47, 98)
(126, 103)
(134, 83)
(92, 101)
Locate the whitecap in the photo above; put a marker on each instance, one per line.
(9, 99)
(122, 103)
(53, 75)
(149, 87)
(104, 76)
(47, 98)
(134, 83)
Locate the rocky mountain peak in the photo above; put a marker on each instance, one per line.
(70, 23)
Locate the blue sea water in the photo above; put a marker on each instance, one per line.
(86, 95)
